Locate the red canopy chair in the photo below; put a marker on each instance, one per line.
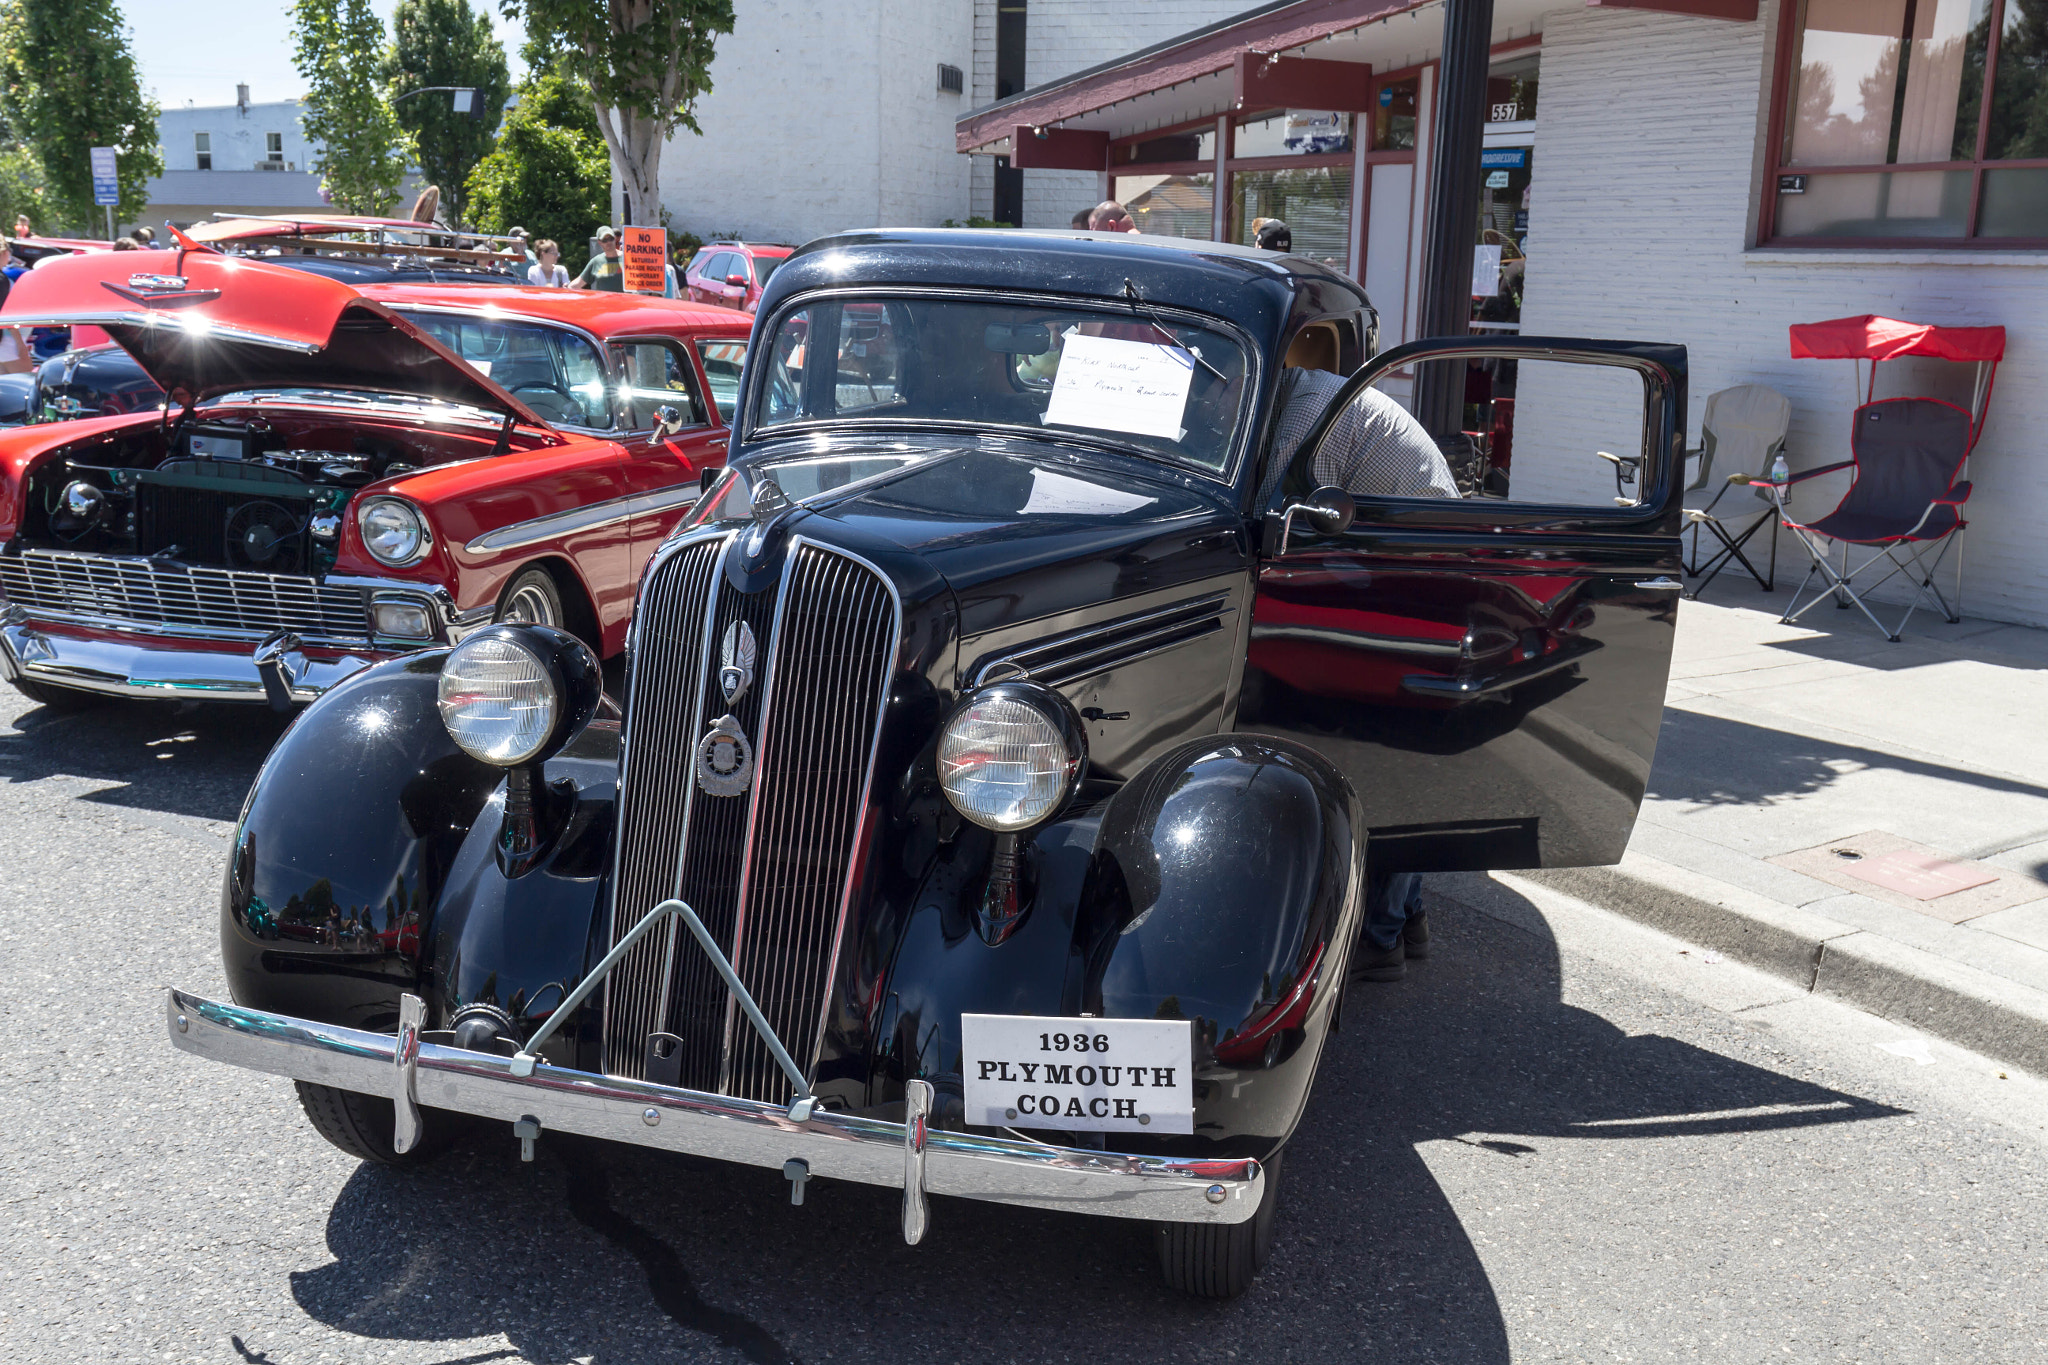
(1908, 457)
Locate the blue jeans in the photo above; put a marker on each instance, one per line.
(1392, 904)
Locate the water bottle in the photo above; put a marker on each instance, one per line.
(1779, 473)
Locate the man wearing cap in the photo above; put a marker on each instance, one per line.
(605, 270)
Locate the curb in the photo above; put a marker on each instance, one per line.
(1961, 1004)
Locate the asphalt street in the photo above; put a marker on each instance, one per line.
(1565, 1137)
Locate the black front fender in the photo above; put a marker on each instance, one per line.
(1225, 889)
(344, 848)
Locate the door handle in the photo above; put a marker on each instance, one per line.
(1664, 584)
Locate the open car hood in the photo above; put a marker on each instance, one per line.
(212, 324)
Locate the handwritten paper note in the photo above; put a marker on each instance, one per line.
(1114, 385)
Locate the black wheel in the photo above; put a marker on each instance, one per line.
(532, 599)
(57, 698)
(362, 1125)
(1220, 1260)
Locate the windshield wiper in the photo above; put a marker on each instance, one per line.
(1138, 305)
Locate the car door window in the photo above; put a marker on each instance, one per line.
(1531, 432)
(720, 267)
(654, 375)
(723, 361)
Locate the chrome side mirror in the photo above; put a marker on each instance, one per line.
(667, 422)
(1330, 510)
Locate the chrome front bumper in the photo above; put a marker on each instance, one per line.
(836, 1146)
(148, 666)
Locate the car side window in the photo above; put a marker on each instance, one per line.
(870, 371)
(719, 267)
(1531, 432)
(723, 362)
(654, 375)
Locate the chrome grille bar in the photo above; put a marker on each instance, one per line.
(655, 790)
(770, 873)
(126, 590)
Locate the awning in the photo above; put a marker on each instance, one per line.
(1874, 338)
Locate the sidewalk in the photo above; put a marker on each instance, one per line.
(1794, 759)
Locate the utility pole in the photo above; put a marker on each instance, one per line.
(1446, 303)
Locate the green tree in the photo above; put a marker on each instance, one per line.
(549, 173)
(646, 62)
(439, 43)
(337, 47)
(68, 83)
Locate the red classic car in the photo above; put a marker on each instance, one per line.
(732, 274)
(342, 473)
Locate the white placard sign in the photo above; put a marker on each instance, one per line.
(1113, 385)
(1485, 271)
(1093, 1075)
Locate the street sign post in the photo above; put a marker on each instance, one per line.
(106, 185)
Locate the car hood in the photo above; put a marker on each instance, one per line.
(212, 324)
(1023, 529)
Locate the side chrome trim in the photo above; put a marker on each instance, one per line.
(1108, 644)
(749, 1132)
(588, 517)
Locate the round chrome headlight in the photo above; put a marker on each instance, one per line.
(499, 699)
(394, 532)
(1009, 756)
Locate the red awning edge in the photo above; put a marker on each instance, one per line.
(1874, 338)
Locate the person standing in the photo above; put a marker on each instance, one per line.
(546, 271)
(14, 357)
(1110, 216)
(605, 270)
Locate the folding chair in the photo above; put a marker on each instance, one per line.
(1907, 459)
(1744, 426)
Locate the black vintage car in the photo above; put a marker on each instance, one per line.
(1007, 750)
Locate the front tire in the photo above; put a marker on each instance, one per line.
(1220, 1260)
(533, 599)
(363, 1125)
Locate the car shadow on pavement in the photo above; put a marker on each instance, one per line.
(1712, 761)
(614, 1254)
(194, 760)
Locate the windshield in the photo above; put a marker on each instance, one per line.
(550, 369)
(1147, 382)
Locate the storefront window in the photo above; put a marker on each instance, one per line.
(1170, 205)
(1298, 132)
(1314, 202)
(1393, 116)
(1900, 83)
(1194, 146)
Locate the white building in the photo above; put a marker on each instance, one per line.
(1706, 172)
(826, 115)
(233, 158)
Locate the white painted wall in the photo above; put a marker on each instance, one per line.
(826, 115)
(1648, 160)
(237, 135)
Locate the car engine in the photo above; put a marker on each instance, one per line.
(222, 500)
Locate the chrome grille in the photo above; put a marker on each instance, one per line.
(770, 871)
(153, 592)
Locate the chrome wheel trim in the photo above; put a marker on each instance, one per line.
(530, 606)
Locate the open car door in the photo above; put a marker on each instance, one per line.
(1489, 669)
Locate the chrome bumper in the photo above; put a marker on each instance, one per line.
(837, 1146)
(45, 652)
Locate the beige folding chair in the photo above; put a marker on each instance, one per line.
(1744, 427)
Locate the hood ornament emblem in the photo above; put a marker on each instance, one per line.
(725, 758)
(736, 659)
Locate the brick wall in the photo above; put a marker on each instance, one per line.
(1647, 161)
